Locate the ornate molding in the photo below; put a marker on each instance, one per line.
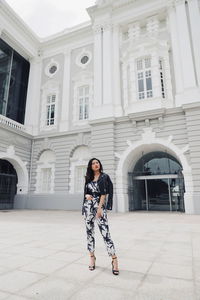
(152, 26)
(104, 26)
(134, 31)
(113, 3)
(97, 28)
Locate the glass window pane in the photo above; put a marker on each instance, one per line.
(140, 85)
(48, 111)
(5, 67)
(18, 88)
(148, 83)
(147, 62)
(52, 111)
(139, 64)
(155, 163)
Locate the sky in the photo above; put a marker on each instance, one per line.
(46, 17)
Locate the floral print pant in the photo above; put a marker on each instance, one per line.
(90, 210)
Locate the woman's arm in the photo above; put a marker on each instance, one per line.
(102, 189)
(102, 201)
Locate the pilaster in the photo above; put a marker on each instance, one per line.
(98, 68)
(116, 82)
(64, 122)
(107, 63)
(175, 48)
(194, 16)
(33, 96)
(185, 46)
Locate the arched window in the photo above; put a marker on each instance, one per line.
(45, 172)
(78, 167)
(157, 163)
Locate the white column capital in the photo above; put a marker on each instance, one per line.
(34, 60)
(67, 52)
(115, 27)
(107, 26)
(104, 25)
(178, 2)
(97, 28)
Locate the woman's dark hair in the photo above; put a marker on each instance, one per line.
(90, 173)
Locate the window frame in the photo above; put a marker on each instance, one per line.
(85, 103)
(144, 71)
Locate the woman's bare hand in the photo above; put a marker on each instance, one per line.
(88, 197)
(99, 213)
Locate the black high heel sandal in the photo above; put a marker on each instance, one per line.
(91, 268)
(115, 272)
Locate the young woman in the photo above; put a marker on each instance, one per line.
(94, 206)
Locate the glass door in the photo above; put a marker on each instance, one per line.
(158, 195)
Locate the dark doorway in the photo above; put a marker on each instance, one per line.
(156, 183)
(8, 184)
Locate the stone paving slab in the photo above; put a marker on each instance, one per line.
(43, 255)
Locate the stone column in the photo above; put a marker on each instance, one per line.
(185, 49)
(98, 76)
(194, 16)
(134, 32)
(125, 84)
(64, 121)
(33, 96)
(116, 81)
(107, 63)
(175, 48)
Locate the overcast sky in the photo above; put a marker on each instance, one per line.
(46, 17)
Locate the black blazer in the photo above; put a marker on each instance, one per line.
(106, 187)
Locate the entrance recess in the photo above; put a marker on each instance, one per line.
(156, 183)
(8, 184)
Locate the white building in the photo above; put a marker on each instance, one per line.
(124, 87)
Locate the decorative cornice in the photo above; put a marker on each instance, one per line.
(114, 3)
(102, 120)
(149, 114)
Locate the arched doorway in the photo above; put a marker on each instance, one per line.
(8, 184)
(156, 183)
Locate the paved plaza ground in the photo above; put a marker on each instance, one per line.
(43, 255)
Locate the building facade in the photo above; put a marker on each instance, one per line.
(123, 87)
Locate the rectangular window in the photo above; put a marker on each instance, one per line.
(162, 78)
(83, 102)
(144, 78)
(45, 179)
(14, 74)
(50, 120)
(79, 178)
